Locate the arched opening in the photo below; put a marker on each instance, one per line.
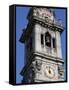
(47, 39)
(54, 42)
(42, 42)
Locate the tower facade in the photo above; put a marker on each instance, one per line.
(43, 55)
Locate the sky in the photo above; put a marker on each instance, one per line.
(21, 23)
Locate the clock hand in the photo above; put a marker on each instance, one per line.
(49, 70)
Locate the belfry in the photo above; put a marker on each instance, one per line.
(43, 55)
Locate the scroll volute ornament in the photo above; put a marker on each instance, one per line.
(38, 65)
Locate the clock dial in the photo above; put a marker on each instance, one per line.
(49, 72)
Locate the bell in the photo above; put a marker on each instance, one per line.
(47, 39)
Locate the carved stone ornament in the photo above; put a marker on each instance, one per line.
(61, 70)
(43, 13)
(36, 65)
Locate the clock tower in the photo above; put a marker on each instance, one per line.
(42, 38)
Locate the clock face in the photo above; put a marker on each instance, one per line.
(49, 72)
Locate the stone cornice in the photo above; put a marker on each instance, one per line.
(56, 59)
(48, 24)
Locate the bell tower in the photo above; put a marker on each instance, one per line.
(42, 38)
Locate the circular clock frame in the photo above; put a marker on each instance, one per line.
(49, 72)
